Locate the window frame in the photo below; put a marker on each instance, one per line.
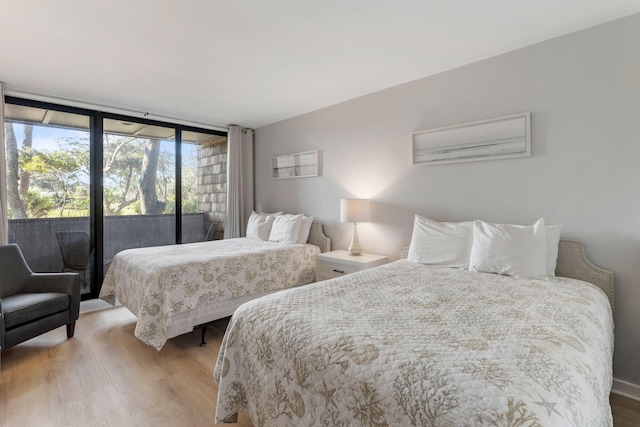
(96, 153)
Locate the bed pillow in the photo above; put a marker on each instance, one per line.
(259, 226)
(553, 240)
(519, 251)
(305, 228)
(441, 243)
(286, 228)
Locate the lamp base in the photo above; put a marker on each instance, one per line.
(354, 248)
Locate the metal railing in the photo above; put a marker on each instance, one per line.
(37, 237)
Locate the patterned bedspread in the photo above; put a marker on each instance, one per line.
(158, 282)
(408, 344)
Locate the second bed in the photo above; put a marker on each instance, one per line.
(172, 289)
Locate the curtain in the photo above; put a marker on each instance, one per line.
(239, 181)
(4, 220)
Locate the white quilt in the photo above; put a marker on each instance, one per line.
(407, 344)
(158, 282)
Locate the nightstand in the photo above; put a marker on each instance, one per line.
(338, 263)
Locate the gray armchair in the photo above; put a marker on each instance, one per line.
(34, 303)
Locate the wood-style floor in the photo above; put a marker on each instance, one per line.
(106, 377)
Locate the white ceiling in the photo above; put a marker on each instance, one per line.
(256, 62)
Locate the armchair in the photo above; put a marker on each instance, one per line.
(34, 303)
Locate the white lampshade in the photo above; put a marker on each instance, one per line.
(354, 210)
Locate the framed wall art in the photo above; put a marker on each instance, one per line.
(499, 138)
(297, 165)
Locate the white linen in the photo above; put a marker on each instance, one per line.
(412, 344)
(259, 226)
(305, 228)
(286, 228)
(553, 240)
(184, 322)
(514, 250)
(441, 243)
(158, 282)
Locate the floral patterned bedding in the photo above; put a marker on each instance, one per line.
(408, 344)
(159, 282)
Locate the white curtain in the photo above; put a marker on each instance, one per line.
(4, 220)
(239, 181)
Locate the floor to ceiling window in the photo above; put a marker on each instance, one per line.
(48, 193)
(151, 173)
(138, 184)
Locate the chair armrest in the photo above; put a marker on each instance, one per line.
(65, 283)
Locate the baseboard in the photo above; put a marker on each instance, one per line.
(626, 389)
(93, 305)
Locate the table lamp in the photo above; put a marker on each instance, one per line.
(355, 211)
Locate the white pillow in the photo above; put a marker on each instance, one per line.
(259, 226)
(519, 251)
(305, 228)
(553, 240)
(441, 243)
(286, 228)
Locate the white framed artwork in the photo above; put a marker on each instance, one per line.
(297, 165)
(498, 138)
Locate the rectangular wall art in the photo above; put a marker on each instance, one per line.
(298, 165)
(499, 138)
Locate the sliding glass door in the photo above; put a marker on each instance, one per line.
(48, 188)
(83, 185)
(138, 175)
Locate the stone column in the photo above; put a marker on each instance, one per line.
(212, 183)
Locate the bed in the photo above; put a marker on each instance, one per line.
(414, 344)
(172, 289)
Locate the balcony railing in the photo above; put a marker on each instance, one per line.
(37, 237)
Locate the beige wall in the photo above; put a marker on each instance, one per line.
(583, 91)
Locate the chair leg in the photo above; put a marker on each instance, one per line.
(71, 327)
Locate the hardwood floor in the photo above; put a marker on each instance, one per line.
(106, 377)
(626, 412)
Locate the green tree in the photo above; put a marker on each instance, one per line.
(25, 176)
(121, 172)
(54, 171)
(15, 203)
(38, 205)
(189, 185)
(150, 203)
(137, 176)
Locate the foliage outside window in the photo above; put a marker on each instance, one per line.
(48, 173)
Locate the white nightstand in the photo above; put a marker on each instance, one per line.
(338, 263)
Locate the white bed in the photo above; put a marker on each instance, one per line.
(172, 289)
(413, 344)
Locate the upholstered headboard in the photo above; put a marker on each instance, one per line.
(318, 238)
(573, 263)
